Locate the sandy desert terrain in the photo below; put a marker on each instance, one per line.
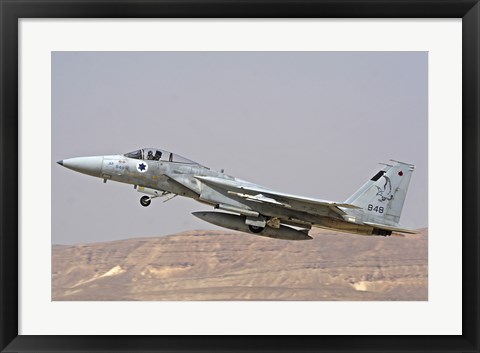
(227, 265)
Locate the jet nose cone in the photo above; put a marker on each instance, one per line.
(86, 165)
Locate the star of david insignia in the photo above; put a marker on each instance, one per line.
(142, 167)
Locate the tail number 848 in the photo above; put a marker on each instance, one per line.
(378, 209)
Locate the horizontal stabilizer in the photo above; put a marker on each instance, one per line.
(393, 229)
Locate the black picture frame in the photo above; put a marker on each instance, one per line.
(12, 10)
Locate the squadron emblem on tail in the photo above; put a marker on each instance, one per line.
(388, 196)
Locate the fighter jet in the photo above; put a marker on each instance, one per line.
(374, 209)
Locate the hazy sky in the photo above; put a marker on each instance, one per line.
(308, 123)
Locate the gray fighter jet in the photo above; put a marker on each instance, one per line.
(373, 210)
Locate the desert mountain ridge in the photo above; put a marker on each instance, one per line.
(229, 265)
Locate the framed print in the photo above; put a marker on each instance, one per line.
(192, 99)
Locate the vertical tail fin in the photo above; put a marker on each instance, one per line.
(383, 196)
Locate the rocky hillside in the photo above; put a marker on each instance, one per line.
(226, 265)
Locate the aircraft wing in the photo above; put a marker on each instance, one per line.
(255, 193)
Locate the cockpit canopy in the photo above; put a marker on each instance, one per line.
(155, 154)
